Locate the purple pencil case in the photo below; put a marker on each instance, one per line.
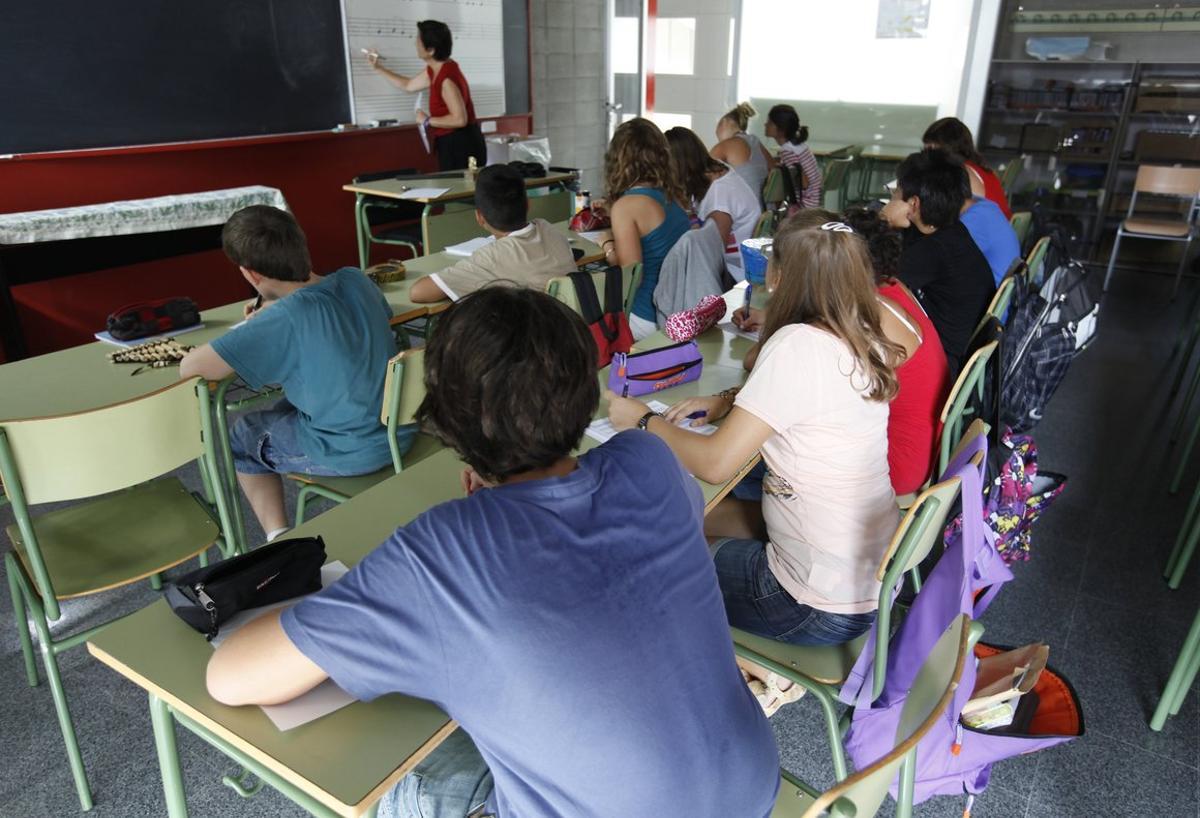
(643, 373)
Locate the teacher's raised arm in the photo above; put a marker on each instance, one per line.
(451, 118)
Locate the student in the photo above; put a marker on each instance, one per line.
(716, 193)
(992, 233)
(954, 137)
(800, 566)
(325, 339)
(644, 207)
(783, 125)
(525, 253)
(940, 261)
(740, 150)
(565, 613)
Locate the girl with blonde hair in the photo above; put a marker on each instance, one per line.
(740, 150)
(799, 566)
(643, 203)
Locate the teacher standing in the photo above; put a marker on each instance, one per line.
(451, 118)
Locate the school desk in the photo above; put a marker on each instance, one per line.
(341, 764)
(460, 190)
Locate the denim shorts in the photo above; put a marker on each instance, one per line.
(755, 601)
(452, 782)
(750, 486)
(268, 442)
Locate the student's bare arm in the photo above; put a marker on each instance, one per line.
(260, 665)
(425, 291)
(713, 458)
(625, 230)
(724, 223)
(203, 361)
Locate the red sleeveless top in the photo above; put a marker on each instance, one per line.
(914, 417)
(437, 105)
(992, 189)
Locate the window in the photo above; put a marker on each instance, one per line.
(623, 40)
(674, 45)
(666, 121)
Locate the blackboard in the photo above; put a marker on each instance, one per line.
(88, 74)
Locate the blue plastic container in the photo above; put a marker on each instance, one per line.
(754, 260)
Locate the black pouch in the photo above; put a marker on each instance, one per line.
(278, 571)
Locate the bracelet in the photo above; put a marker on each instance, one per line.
(607, 242)
(729, 394)
(645, 419)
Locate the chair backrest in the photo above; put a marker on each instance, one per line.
(1010, 173)
(454, 224)
(863, 793)
(1033, 263)
(403, 387)
(1167, 181)
(1021, 221)
(1003, 296)
(71, 457)
(773, 191)
(836, 175)
(375, 176)
(560, 287)
(633, 274)
(551, 205)
(762, 227)
(968, 382)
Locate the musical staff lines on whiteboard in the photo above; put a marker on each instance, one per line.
(390, 26)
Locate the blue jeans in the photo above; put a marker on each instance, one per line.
(750, 486)
(451, 782)
(755, 601)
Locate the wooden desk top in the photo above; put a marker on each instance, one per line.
(460, 188)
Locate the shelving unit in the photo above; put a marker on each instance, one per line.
(1088, 103)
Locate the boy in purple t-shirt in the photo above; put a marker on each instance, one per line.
(565, 613)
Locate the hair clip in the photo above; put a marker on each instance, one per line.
(837, 227)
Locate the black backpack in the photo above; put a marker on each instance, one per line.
(610, 327)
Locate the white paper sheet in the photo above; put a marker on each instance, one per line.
(108, 339)
(602, 430)
(323, 699)
(593, 235)
(423, 132)
(423, 192)
(732, 329)
(469, 246)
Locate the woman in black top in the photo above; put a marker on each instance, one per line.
(940, 262)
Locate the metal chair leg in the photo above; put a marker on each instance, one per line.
(1178, 674)
(65, 723)
(168, 757)
(1184, 556)
(302, 504)
(1182, 261)
(1112, 259)
(21, 620)
(1189, 520)
(360, 228)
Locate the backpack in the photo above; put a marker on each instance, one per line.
(1046, 330)
(952, 759)
(610, 328)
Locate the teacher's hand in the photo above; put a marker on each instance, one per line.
(421, 117)
(373, 58)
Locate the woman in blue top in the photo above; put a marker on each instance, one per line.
(643, 205)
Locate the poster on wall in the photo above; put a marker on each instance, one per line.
(902, 19)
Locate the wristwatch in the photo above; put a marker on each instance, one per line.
(645, 421)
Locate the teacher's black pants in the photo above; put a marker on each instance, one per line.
(456, 147)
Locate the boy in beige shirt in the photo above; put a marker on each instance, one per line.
(525, 253)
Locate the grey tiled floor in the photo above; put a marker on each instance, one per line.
(1093, 590)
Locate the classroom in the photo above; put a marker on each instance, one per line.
(600, 409)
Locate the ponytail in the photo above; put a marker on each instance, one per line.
(801, 136)
(741, 115)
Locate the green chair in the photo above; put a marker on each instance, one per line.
(822, 670)
(135, 524)
(862, 794)
(366, 207)
(836, 182)
(1036, 260)
(1021, 221)
(561, 288)
(403, 391)
(763, 227)
(1181, 679)
(1003, 297)
(551, 205)
(956, 409)
(448, 224)
(633, 272)
(1010, 173)
(773, 191)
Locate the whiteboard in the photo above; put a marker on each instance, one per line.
(390, 27)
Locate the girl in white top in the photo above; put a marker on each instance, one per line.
(742, 151)
(716, 193)
(800, 566)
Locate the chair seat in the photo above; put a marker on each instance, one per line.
(828, 664)
(119, 538)
(423, 446)
(792, 801)
(1168, 228)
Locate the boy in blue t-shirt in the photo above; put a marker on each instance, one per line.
(565, 613)
(325, 339)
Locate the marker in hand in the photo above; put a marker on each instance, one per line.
(697, 415)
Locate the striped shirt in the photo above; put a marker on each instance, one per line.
(791, 155)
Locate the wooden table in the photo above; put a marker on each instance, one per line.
(343, 763)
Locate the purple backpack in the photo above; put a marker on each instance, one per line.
(952, 759)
